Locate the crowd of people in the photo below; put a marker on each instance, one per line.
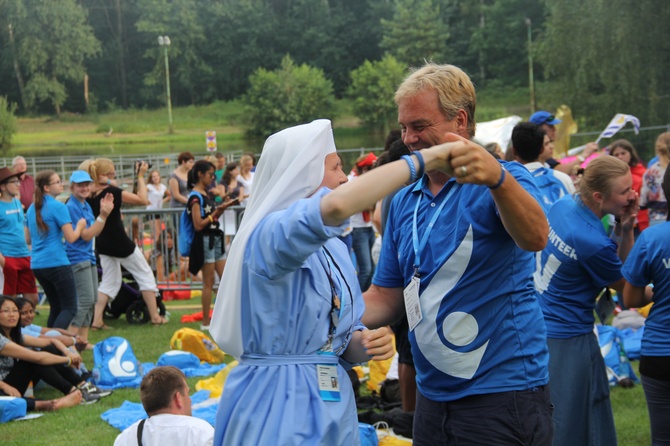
(488, 274)
(51, 243)
(496, 266)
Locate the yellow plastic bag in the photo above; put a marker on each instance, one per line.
(644, 311)
(387, 437)
(198, 343)
(216, 383)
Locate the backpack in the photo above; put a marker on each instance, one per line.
(551, 187)
(115, 364)
(186, 228)
(618, 367)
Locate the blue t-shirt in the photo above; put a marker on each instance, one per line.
(577, 263)
(649, 261)
(32, 330)
(48, 248)
(482, 329)
(12, 223)
(81, 250)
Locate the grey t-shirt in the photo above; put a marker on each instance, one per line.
(183, 190)
(6, 363)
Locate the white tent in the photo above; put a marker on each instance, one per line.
(499, 130)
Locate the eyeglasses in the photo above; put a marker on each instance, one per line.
(549, 119)
(55, 182)
(9, 311)
(15, 181)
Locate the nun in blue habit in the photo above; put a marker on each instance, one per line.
(289, 306)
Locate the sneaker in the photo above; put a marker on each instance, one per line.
(87, 397)
(204, 327)
(92, 389)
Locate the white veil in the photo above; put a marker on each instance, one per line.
(291, 167)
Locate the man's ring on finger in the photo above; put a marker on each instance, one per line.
(464, 171)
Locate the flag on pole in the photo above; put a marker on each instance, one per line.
(617, 123)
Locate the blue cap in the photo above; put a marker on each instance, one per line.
(80, 176)
(544, 117)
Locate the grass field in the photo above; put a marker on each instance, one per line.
(146, 131)
(82, 425)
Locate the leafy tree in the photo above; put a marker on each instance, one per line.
(608, 57)
(242, 36)
(500, 39)
(184, 22)
(416, 33)
(288, 96)
(373, 85)
(116, 77)
(53, 40)
(7, 122)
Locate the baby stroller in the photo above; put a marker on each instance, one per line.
(129, 301)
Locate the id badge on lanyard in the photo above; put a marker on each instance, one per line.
(329, 382)
(411, 291)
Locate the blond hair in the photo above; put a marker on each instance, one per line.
(454, 89)
(663, 149)
(600, 176)
(96, 167)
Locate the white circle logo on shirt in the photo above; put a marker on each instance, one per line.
(460, 328)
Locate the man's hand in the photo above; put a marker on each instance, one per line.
(378, 343)
(470, 162)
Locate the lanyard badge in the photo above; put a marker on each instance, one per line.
(411, 291)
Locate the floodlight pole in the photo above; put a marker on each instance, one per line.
(164, 41)
(531, 78)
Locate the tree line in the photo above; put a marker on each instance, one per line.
(600, 57)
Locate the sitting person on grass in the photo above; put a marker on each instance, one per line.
(27, 311)
(19, 364)
(164, 395)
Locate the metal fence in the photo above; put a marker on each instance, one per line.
(125, 165)
(165, 163)
(156, 232)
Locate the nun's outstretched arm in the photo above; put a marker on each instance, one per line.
(362, 194)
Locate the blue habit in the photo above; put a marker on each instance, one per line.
(272, 397)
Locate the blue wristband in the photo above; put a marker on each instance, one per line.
(422, 164)
(501, 180)
(412, 169)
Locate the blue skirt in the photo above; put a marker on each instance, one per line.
(580, 393)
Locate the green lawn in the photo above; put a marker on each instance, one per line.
(82, 425)
(146, 131)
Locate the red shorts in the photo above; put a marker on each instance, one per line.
(19, 278)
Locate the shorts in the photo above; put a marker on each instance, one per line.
(19, 277)
(136, 265)
(215, 254)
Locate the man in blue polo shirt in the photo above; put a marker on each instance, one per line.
(457, 258)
